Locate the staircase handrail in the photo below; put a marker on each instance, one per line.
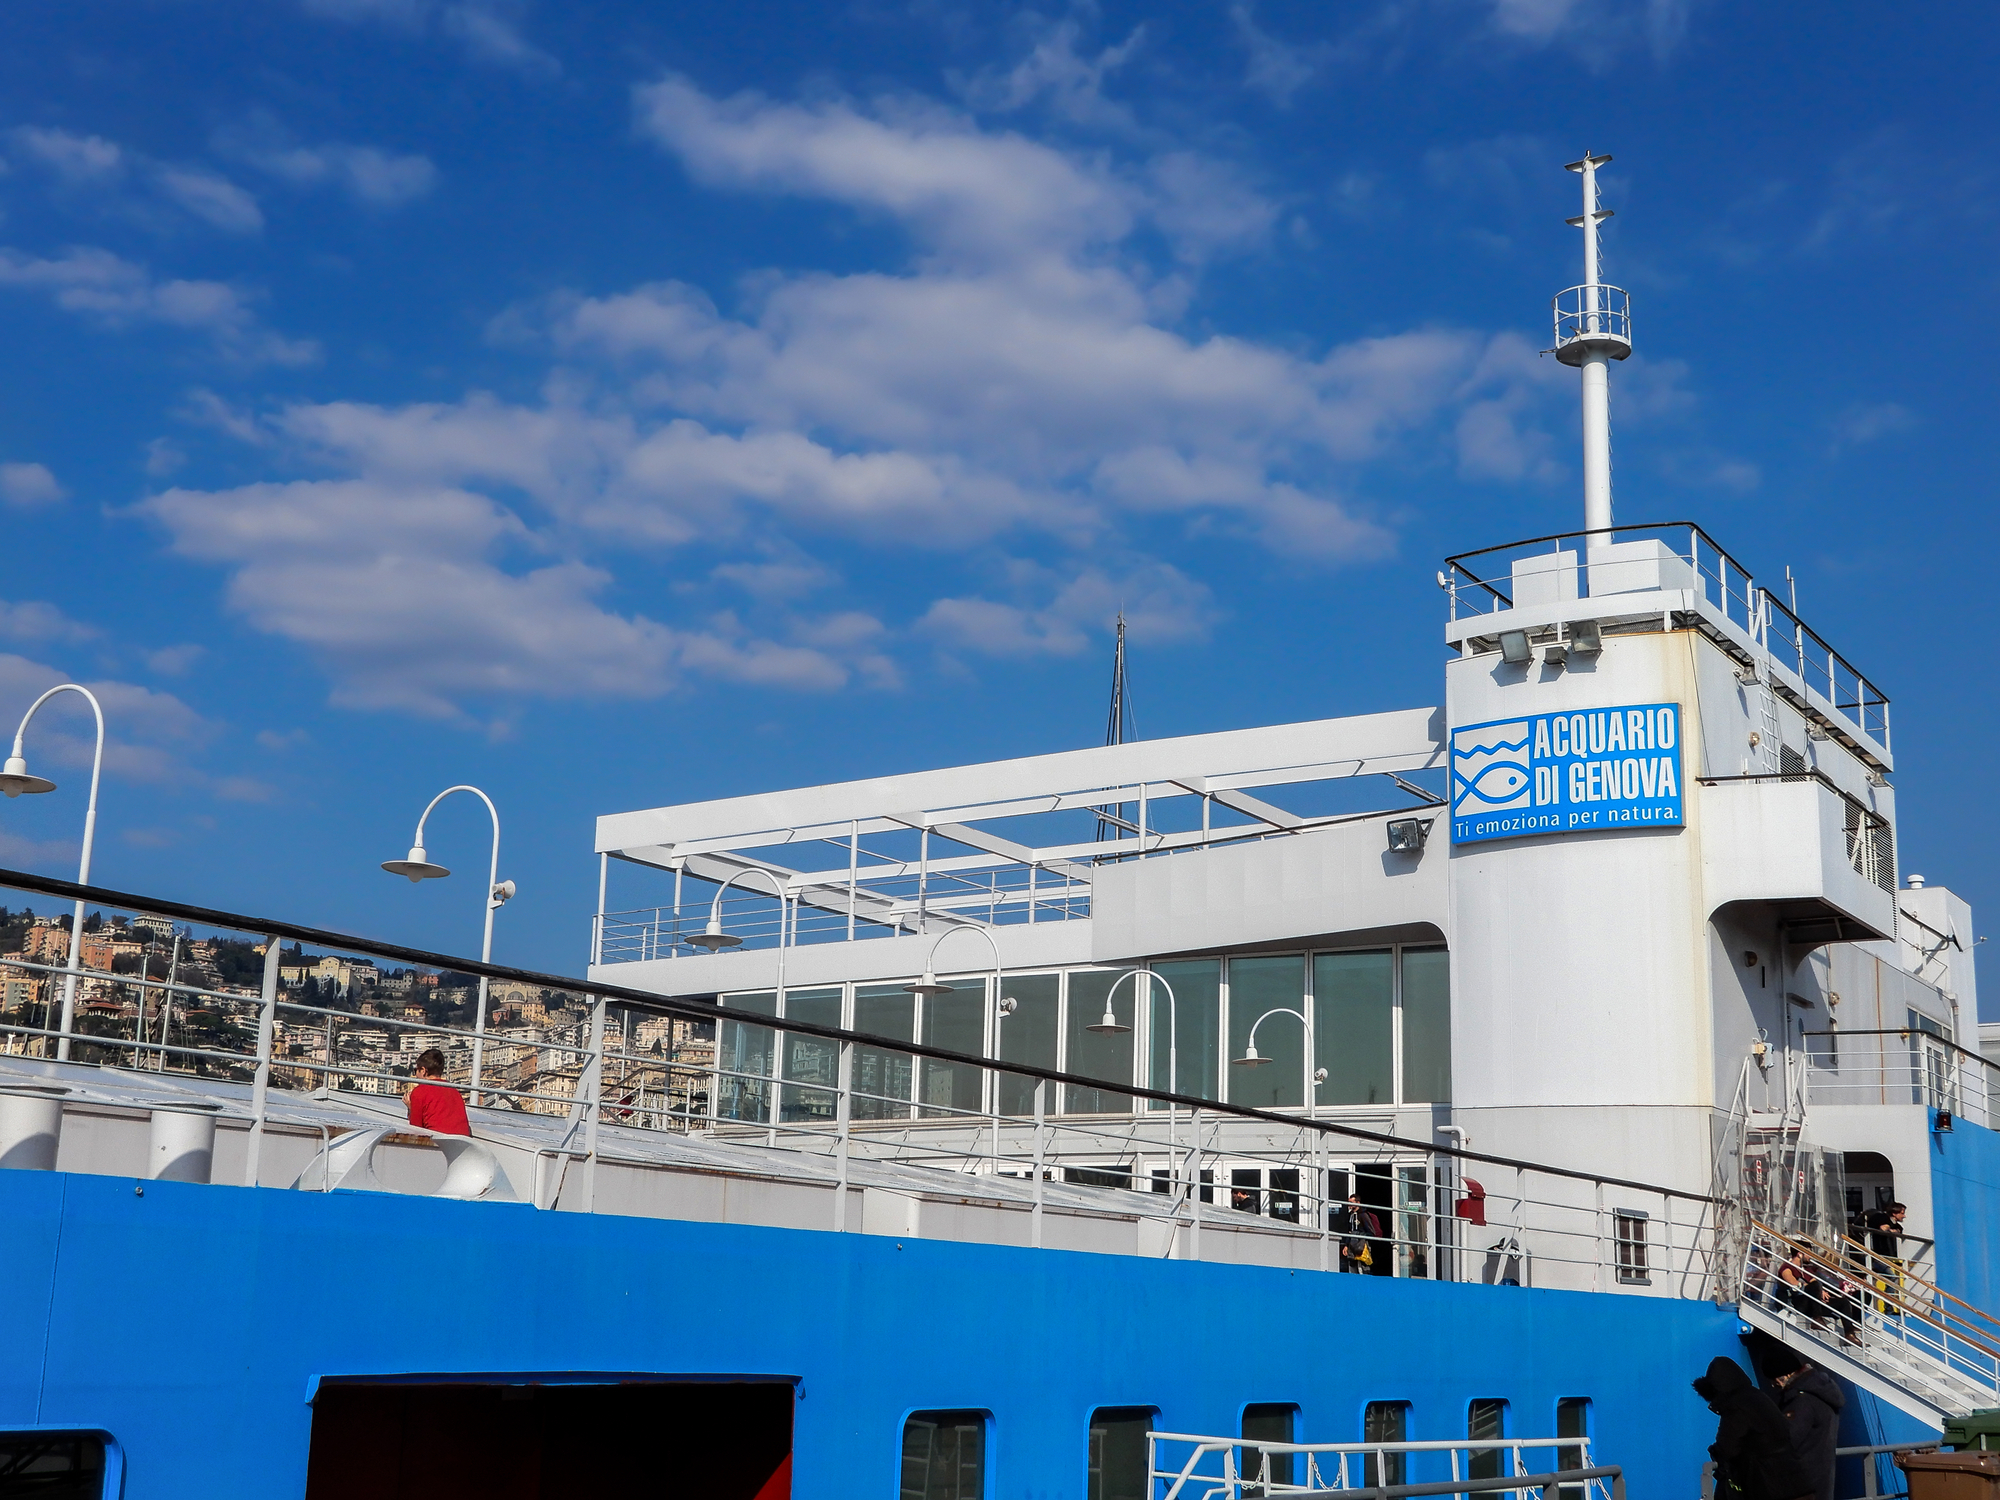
(1933, 1314)
(1993, 1329)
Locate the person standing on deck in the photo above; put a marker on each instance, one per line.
(434, 1104)
(1811, 1400)
(1754, 1458)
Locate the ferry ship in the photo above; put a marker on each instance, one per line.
(1403, 1104)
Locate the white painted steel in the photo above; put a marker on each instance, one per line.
(180, 1143)
(31, 1119)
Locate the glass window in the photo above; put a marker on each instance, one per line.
(1354, 1000)
(1385, 1422)
(1258, 986)
(1426, 1026)
(944, 1456)
(882, 1078)
(1285, 1194)
(956, 1022)
(811, 1060)
(1119, 1456)
(743, 1058)
(1572, 1421)
(1246, 1189)
(58, 1465)
(1029, 1036)
(1413, 1221)
(1270, 1423)
(1196, 1015)
(1485, 1418)
(1630, 1225)
(1097, 1054)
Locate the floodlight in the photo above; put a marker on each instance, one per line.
(1514, 648)
(1585, 638)
(1407, 835)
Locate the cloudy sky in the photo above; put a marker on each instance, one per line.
(618, 405)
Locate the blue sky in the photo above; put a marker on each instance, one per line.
(618, 405)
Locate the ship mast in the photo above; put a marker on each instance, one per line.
(1117, 726)
(1593, 327)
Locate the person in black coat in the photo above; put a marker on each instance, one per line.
(1811, 1400)
(1753, 1443)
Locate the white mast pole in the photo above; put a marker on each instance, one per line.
(1596, 360)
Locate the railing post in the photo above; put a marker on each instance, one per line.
(1319, 1201)
(1041, 1120)
(1194, 1188)
(260, 1090)
(595, 1105)
(844, 1116)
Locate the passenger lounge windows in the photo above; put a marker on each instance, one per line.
(957, 1023)
(743, 1061)
(1385, 1422)
(1354, 1024)
(1485, 1418)
(1258, 989)
(1191, 1025)
(1269, 1423)
(1097, 1054)
(1426, 1007)
(944, 1456)
(882, 1078)
(1119, 1454)
(1029, 1036)
(57, 1465)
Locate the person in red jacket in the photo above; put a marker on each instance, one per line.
(434, 1104)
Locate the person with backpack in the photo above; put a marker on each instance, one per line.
(1358, 1228)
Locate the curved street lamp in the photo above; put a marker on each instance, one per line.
(417, 865)
(1110, 1025)
(17, 779)
(1003, 1006)
(1251, 1058)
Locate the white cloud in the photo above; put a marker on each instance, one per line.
(159, 195)
(116, 293)
(489, 30)
(401, 594)
(369, 175)
(1054, 71)
(34, 620)
(29, 484)
(1057, 616)
(148, 734)
(1864, 422)
(1277, 69)
(211, 197)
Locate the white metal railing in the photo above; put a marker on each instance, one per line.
(1902, 1066)
(924, 1108)
(1183, 1466)
(1592, 314)
(1875, 1311)
(884, 907)
(1806, 669)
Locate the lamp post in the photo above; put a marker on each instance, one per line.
(1313, 1076)
(1112, 1026)
(15, 780)
(1003, 1006)
(417, 865)
(714, 939)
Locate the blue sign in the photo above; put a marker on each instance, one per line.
(1578, 772)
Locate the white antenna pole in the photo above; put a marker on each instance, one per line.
(1596, 334)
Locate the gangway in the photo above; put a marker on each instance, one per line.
(1873, 1321)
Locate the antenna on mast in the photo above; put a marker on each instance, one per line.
(1593, 327)
(1117, 729)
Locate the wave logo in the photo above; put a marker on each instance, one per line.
(1489, 768)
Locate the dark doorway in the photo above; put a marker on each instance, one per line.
(1375, 1186)
(493, 1441)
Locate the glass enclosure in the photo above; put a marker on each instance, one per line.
(1381, 1031)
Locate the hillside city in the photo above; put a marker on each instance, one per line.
(342, 1022)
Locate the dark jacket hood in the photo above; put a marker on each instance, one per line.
(1725, 1378)
(1817, 1382)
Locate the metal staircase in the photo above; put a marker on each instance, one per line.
(1871, 1320)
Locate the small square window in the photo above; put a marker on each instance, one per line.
(944, 1456)
(1631, 1227)
(1120, 1455)
(1385, 1422)
(60, 1465)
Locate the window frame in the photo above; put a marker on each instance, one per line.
(1093, 1478)
(1629, 1268)
(985, 1466)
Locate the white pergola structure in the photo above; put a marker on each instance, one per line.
(1008, 845)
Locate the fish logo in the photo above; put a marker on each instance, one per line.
(1489, 769)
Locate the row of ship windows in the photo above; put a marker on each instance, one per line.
(1381, 1022)
(945, 1452)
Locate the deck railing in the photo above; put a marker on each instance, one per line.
(1182, 1466)
(1440, 1212)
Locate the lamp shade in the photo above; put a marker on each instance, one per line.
(417, 866)
(928, 985)
(712, 936)
(16, 779)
